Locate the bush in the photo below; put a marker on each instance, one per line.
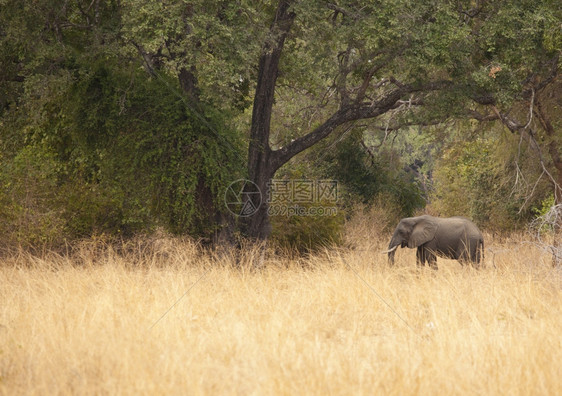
(307, 232)
(113, 152)
(28, 200)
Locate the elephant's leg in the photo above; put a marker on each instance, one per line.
(463, 253)
(431, 259)
(475, 254)
(420, 256)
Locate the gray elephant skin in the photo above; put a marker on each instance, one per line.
(453, 237)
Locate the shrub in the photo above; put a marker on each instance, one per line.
(306, 232)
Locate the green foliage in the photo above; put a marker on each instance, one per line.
(218, 41)
(544, 206)
(518, 37)
(478, 178)
(365, 175)
(107, 147)
(125, 154)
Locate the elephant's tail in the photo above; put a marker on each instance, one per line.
(480, 251)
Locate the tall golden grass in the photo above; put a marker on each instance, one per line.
(167, 317)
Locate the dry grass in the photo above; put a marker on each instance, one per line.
(95, 323)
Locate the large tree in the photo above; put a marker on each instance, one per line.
(374, 59)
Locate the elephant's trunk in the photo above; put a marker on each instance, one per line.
(391, 256)
(391, 251)
(392, 246)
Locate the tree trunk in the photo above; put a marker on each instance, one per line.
(188, 83)
(260, 168)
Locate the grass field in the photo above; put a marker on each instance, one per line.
(167, 318)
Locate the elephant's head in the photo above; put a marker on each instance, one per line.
(411, 232)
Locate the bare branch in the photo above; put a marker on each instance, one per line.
(338, 140)
(398, 127)
(549, 224)
(148, 61)
(340, 10)
(515, 127)
(530, 110)
(481, 117)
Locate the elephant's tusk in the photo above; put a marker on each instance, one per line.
(390, 250)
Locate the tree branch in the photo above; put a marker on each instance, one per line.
(482, 117)
(340, 10)
(388, 102)
(553, 147)
(547, 80)
(148, 61)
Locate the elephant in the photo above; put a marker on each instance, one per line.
(454, 237)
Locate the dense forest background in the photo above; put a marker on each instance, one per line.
(122, 117)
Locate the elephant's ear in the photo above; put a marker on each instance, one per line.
(424, 231)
